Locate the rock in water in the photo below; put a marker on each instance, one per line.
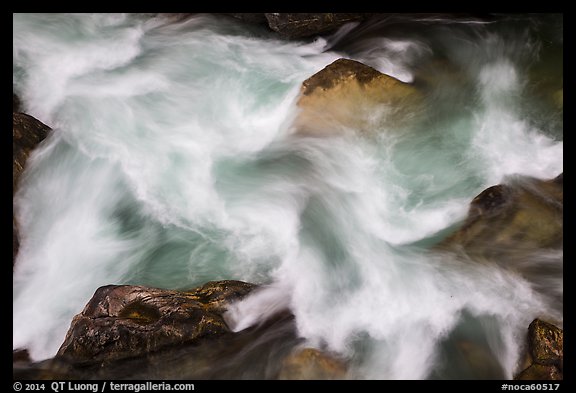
(525, 214)
(348, 96)
(300, 25)
(546, 351)
(546, 343)
(122, 321)
(538, 372)
(27, 133)
(15, 103)
(250, 17)
(311, 363)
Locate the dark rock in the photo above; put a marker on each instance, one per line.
(253, 353)
(546, 343)
(538, 372)
(348, 95)
(301, 25)
(122, 321)
(15, 240)
(311, 363)
(27, 133)
(46, 370)
(15, 103)
(20, 355)
(256, 18)
(560, 178)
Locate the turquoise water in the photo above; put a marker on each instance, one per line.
(173, 162)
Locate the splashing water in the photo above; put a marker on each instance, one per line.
(173, 162)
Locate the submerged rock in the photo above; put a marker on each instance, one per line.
(123, 321)
(546, 352)
(525, 214)
(311, 363)
(539, 372)
(350, 96)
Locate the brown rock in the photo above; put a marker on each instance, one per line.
(538, 372)
(123, 321)
(348, 96)
(546, 343)
(27, 133)
(250, 17)
(522, 215)
(311, 363)
(20, 355)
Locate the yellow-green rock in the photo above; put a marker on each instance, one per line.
(525, 214)
(348, 96)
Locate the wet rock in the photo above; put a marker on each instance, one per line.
(350, 96)
(540, 373)
(15, 240)
(545, 352)
(311, 363)
(546, 343)
(524, 214)
(20, 355)
(123, 321)
(300, 25)
(559, 179)
(254, 17)
(15, 103)
(27, 133)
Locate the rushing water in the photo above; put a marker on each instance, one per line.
(173, 162)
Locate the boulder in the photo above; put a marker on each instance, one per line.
(349, 96)
(546, 343)
(301, 25)
(122, 321)
(545, 352)
(525, 214)
(312, 363)
(27, 133)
